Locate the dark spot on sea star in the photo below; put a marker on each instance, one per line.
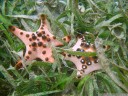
(69, 55)
(39, 34)
(27, 35)
(44, 37)
(33, 37)
(82, 61)
(40, 43)
(29, 52)
(12, 28)
(34, 44)
(44, 52)
(54, 37)
(48, 39)
(30, 39)
(89, 63)
(43, 32)
(27, 57)
(84, 66)
(46, 59)
(21, 33)
(38, 40)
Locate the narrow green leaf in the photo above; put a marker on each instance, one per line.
(33, 17)
(109, 81)
(5, 20)
(45, 93)
(3, 7)
(63, 14)
(61, 26)
(78, 53)
(90, 88)
(83, 81)
(7, 76)
(9, 38)
(107, 23)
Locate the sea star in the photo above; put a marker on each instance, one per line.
(84, 65)
(38, 44)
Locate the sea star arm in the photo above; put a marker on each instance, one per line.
(45, 29)
(21, 34)
(44, 26)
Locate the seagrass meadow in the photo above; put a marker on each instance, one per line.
(101, 26)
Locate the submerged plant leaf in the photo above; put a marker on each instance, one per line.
(33, 17)
(4, 20)
(107, 23)
(44, 93)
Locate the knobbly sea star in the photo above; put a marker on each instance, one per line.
(38, 44)
(84, 65)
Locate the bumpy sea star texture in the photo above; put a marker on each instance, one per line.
(84, 65)
(38, 44)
